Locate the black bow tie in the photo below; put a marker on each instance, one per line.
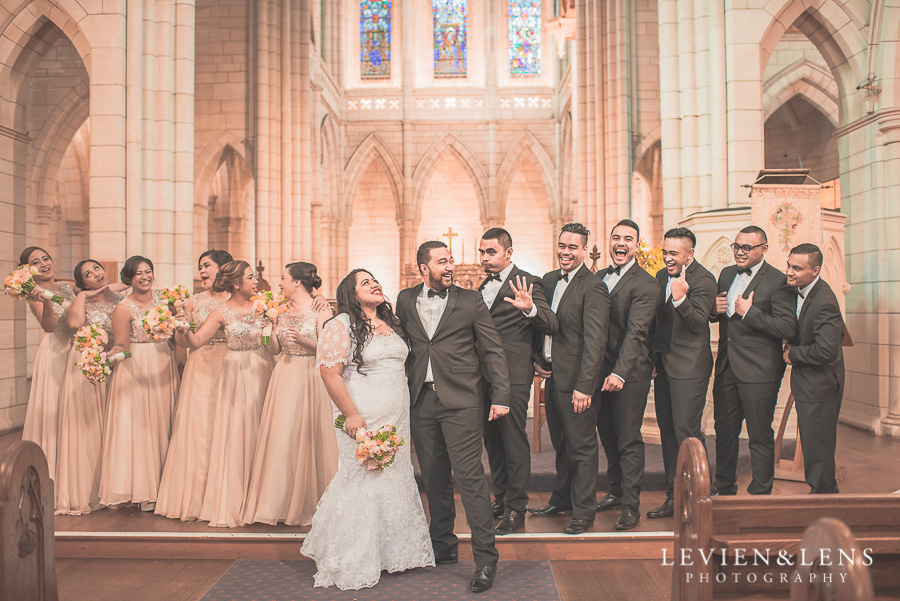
(746, 270)
(433, 293)
(614, 269)
(563, 275)
(492, 276)
(800, 294)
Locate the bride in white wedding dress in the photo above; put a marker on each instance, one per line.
(367, 521)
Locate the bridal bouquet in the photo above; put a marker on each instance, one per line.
(95, 363)
(174, 296)
(159, 323)
(376, 449)
(269, 304)
(20, 283)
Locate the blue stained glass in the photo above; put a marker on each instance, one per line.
(375, 39)
(524, 37)
(449, 37)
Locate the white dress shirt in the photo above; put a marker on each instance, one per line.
(675, 303)
(430, 311)
(554, 305)
(738, 286)
(804, 292)
(491, 289)
(611, 279)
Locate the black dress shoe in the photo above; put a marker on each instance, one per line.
(512, 521)
(446, 558)
(610, 501)
(550, 509)
(666, 510)
(498, 508)
(483, 579)
(578, 526)
(629, 518)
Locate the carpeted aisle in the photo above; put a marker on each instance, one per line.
(261, 580)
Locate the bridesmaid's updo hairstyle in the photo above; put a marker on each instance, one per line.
(230, 276)
(130, 268)
(79, 273)
(305, 273)
(219, 257)
(26, 254)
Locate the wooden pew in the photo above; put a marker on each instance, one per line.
(813, 581)
(733, 528)
(28, 564)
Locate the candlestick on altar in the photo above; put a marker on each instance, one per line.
(463, 258)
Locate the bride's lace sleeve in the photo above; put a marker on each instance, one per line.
(336, 344)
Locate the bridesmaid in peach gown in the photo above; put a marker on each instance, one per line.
(187, 463)
(42, 413)
(296, 455)
(242, 388)
(82, 404)
(142, 395)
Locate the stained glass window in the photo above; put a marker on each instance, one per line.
(449, 37)
(524, 37)
(375, 39)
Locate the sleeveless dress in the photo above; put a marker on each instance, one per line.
(81, 416)
(296, 455)
(369, 521)
(187, 463)
(42, 412)
(242, 388)
(142, 395)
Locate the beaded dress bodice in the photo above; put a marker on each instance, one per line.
(243, 331)
(204, 304)
(100, 314)
(304, 323)
(62, 329)
(138, 334)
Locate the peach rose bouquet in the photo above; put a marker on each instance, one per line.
(95, 363)
(377, 449)
(174, 296)
(159, 323)
(20, 284)
(270, 305)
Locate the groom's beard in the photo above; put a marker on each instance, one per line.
(436, 282)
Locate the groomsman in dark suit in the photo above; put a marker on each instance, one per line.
(522, 317)
(817, 377)
(452, 338)
(628, 367)
(682, 351)
(755, 311)
(571, 359)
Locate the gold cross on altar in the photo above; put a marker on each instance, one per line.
(449, 235)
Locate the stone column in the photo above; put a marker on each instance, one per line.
(886, 291)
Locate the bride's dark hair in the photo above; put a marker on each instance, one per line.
(360, 326)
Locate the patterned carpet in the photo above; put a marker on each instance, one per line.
(259, 580)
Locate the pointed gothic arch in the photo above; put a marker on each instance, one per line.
(803, 78)
(432, 157)
(526, 143)
(371, 148)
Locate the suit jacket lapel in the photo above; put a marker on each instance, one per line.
(413, 310)
(727, 282)
(760, 274)
(623, 281)
(572, 279)
(808, 300)
(452, 295)
(505, 290)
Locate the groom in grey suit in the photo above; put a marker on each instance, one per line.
(451, 337)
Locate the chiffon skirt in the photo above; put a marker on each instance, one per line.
(42, 413)
(138, 424)
(187, 463)
(296, 454)
(242, 390)
(81, 416)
